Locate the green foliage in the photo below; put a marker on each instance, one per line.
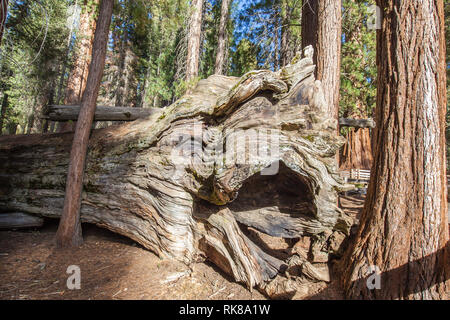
(358, 65)
(261, 24)
(211, 20)
(244, 58)
(33, 50)
(162, 36)
(147, 42)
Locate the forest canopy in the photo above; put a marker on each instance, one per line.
(145, 64)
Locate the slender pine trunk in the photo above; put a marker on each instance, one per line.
(222, 41)
(69, 230)
(194, 37)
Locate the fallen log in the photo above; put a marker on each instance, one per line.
(17, 220)
(357, 123)
(256, 151)
(107, 113)
(102, 113)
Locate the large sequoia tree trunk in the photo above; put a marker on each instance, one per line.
(404, 227)
(357, 152)
(256, 151)
(321, 28)
(76, 82)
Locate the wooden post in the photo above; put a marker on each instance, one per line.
(102, 113)
(69, 230)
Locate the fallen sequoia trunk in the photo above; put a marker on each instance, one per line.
(102, 113)
(16, 220)
(105, 113)
(254, 151)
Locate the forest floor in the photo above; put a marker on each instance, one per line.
(114, 267)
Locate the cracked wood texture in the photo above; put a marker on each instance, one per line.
(404, 225)
(173, 182)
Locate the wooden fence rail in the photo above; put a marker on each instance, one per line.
(361, 175)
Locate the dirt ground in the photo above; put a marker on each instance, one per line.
(114, 267)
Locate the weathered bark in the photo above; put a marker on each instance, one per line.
(106, 113)
(357, 152)
(76, 82)
(222, 41)
(276, 51)
(69, 230)
(404, 225)
(187, 183)
(310, 26)
(357, 123)
(194, 37)
(50, 100)
(102, 113)
(285, 50)
(3, 15)
(16, 220)
(321, 28)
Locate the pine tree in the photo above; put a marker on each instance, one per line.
(194, 38)
(69, 229)
(222, 41)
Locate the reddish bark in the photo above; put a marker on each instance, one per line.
(69, 230)
(404, 225)
(321, 28)
(285, 50)
(357, 152)
(76, 83)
